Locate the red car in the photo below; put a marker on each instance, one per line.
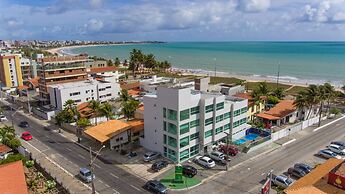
(26, 136)
(230, 149)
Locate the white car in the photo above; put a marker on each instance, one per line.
(3, 118)
(281, 181)
(337, 149)
(217, 156)
(328, 154)
(205, 161)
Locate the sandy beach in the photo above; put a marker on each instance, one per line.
(61, 50)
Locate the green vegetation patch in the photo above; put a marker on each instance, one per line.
(226, 80)
(295, 90)
(169, 182)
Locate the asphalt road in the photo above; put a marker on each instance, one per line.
(109, 178)
(248, 178)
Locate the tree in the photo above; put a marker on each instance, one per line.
(279, 93)
(106, 110)
(129, 108)
(312, 97)
(13, 158)
(95, 106)
(110, 63)
(14, 143)
(322, 96)
(301, 101)
(272, 100)
(81, 125)
(124, 96)
(136, 58)
(117, 62)
(150, 61)
(70, 113)
(256, 97)
(330, 93)
(263, 89)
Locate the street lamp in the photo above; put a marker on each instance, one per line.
(269, 176)
(12, 116)
(227, 150)
(92, 160)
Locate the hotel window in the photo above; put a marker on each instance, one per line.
(209, 108)
(184, 128)
(244, 110)
(227, 126)
(164, 112)
(209, 121)
(237, 112)
(184, 142)
(236, 124)
(194, 150)
(172, 114)
(77, 101)
(164, 125)
(172, 128)
(227, 115)
(208, 133)
(219, 118)
(195, 110)
(172, 155)
(194, 123)
(172, 142)
(220, 106)
(184, 114)
(219, 130)
(184, 155)
(164, 139)
(194, 136)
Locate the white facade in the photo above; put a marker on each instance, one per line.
(180, 122)
(83, 91)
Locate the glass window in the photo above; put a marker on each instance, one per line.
(219, 130)
(165, 151)
(209, 121)
(219, 118)
(184, 128)
(172, 128)
(220, 106)
(194, 136)
(184, 155)
(172, 142)
(237, 112)
(208, 133)
(164, 139)
(184, 114)
(172, 115)
(194, 150)
(195, 110)
(194, 123)
(164, 125)
(164, 112)
(227, 126)
(172, 154)
(227, 115)
(244, 110)
(184, 142)
(209, 108)
(236, 124)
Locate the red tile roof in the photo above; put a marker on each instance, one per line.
(12, 178)
(64, 58)
(4, 148)
(34, 81)
(128, 86)
(280, 110)
(102, 69)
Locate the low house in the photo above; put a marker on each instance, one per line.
(12, 178)
(253, 107)
(4, 151)
(327, 178)
(116, 133)
(139, 113)
(283, 112)
(231, 89)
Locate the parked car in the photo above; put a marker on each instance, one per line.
(157, 166)
(205, 161)
(217, 156)
(328, 154)
(229, 149)
(339, 143)
(149, 156)
(3, 118)
(337, 149)
(155, 186)
(189, 171)
(297, 172)
(306, 168)
(85, 175)
(132, 154)
(26, 136)
(24, 124)
(281, 181)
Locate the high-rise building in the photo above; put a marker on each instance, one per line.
(10, 70)
(58, 70)
(181, 122)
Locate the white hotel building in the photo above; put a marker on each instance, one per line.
(181, 122)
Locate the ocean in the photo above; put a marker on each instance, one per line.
(297, 62)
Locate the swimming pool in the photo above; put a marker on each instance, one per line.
(249, 137)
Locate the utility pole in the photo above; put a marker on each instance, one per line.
(28, 97)
(227, 150)
(92, 160)
(278, 75)
(12, 116)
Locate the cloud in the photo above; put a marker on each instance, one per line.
(254, 5)
(13, 23)
(324, 12)
(62, 6)
(94, 25)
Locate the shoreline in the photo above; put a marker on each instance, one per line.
(288, 80)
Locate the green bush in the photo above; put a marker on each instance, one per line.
(13, 158)
(272, 100)
(50, 184)
(29, 163)
(335, 111)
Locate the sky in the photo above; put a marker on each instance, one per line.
(173, 20)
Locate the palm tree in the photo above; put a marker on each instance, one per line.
(331, 94)
(70, 111)
(106, 110)
(279, 93)
(312, 96)
(82, 124)
(117, 62)
(136, 58)
(124, 96)
(150, 61)
(301, 101)
(129, 108)
(322, 96)
(95, 106)
(263, 88)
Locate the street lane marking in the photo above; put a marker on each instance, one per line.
(100, 181)
(286, 143)
(116, 192)
(63, 135)
(106, 185)
(68, 149)
(328, 124)
(81, 156)
(97, 165)
(135, 187)
(114, 175)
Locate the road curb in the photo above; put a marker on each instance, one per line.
(316, 129)
(286, 143)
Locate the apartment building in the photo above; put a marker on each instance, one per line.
(180, 122)
(10, 70)
(28, 68)
(59, 70)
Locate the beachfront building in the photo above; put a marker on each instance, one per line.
(254, 108)
(59, 70)
(181, 122)
(10, 70)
